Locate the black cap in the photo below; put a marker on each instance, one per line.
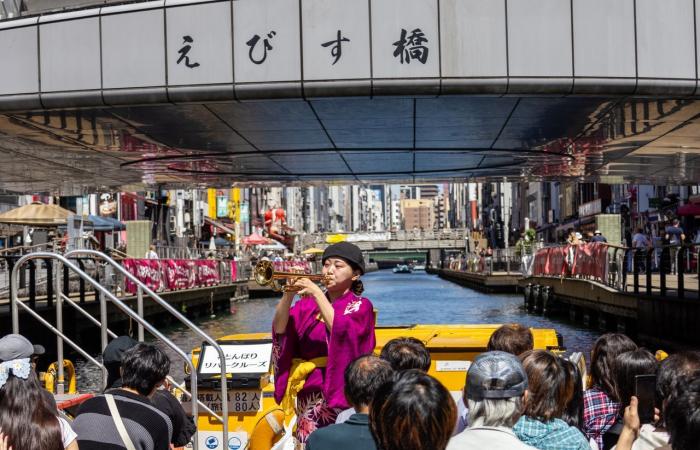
(116, 348)
(349, 252)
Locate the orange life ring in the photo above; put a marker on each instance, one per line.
(268, 430)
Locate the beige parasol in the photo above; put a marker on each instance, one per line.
(37, 214)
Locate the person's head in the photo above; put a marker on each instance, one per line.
(495, 390)
(363, 377)
(412, 412)
(144, 367)
(671, 370)
(676, 222)
(112, 358)
(405, 353)
(597, 233)
(640, 230)
(16, 346)
(682, 413)
(604, 351)
(511, 338)
(26, 418)
(573, 413)
(549, 385)
(626, 367)
(152, 247)
(344, 263)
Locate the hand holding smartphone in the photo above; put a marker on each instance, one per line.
(645, 391)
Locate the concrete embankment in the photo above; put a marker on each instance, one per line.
(493, 283)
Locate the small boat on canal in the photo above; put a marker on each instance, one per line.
(401, 268)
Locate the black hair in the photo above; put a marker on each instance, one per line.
(604, 351)
(573, 414)
(671, 369)
(626, 367)
(357, 287)
(363, 377)
(405, 353)
(412, 412)
(143, 367)
(682, 413)
(26, 417)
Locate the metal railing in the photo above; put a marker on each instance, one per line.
(105, 332)
(655, 270)
(504, 260)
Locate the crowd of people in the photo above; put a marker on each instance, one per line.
(344, 396)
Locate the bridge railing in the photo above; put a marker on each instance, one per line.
(506, 260)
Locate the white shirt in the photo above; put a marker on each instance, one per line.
(649, 438)
(67, 433)
(151, 255)
(491, 438)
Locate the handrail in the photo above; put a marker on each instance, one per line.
(157, 298)
(121, 305)
(113, 335)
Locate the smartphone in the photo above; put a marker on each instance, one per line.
(645, 391)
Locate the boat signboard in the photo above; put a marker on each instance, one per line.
(240, 358)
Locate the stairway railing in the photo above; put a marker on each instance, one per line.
(106, 294)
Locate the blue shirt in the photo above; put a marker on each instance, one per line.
(552, 435)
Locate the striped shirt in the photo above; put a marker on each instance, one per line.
(148, 428)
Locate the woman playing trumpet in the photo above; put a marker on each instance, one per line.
(315, 339)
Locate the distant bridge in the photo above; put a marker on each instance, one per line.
(398, 243)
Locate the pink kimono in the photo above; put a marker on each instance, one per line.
(307, 337)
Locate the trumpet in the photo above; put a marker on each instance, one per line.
(265, 275)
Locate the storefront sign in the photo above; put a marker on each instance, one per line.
(590, 208)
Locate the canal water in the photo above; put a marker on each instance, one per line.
(401, 299)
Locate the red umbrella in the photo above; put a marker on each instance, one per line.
(690, 209)
(255, 239)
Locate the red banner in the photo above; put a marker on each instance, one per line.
(585, 259)
(292, 266)
(180, 273)
(590, 260)
(234, 270)
(207, 272)
(174, 274)
(148, 271)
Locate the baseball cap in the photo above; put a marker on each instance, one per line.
(349, 252)
(597, 232)
(16, 346)
(112, 354)
(495, 375)
(578, 235)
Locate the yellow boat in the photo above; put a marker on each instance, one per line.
(256, 422)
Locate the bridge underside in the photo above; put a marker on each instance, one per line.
(350, 140)
(472, 89)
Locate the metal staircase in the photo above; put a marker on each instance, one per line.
(105, 333)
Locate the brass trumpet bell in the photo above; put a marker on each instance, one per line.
(265, 275)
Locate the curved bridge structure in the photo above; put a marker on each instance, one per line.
(302, 91)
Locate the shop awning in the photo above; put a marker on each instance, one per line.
(101, 223)
(690, 209)
(220, 225)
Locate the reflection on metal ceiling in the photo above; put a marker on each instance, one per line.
(353, 140)
(384, 90)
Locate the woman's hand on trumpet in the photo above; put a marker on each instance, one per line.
(308, 288)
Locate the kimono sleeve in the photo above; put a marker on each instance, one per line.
(352, 335)
(284, 347)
